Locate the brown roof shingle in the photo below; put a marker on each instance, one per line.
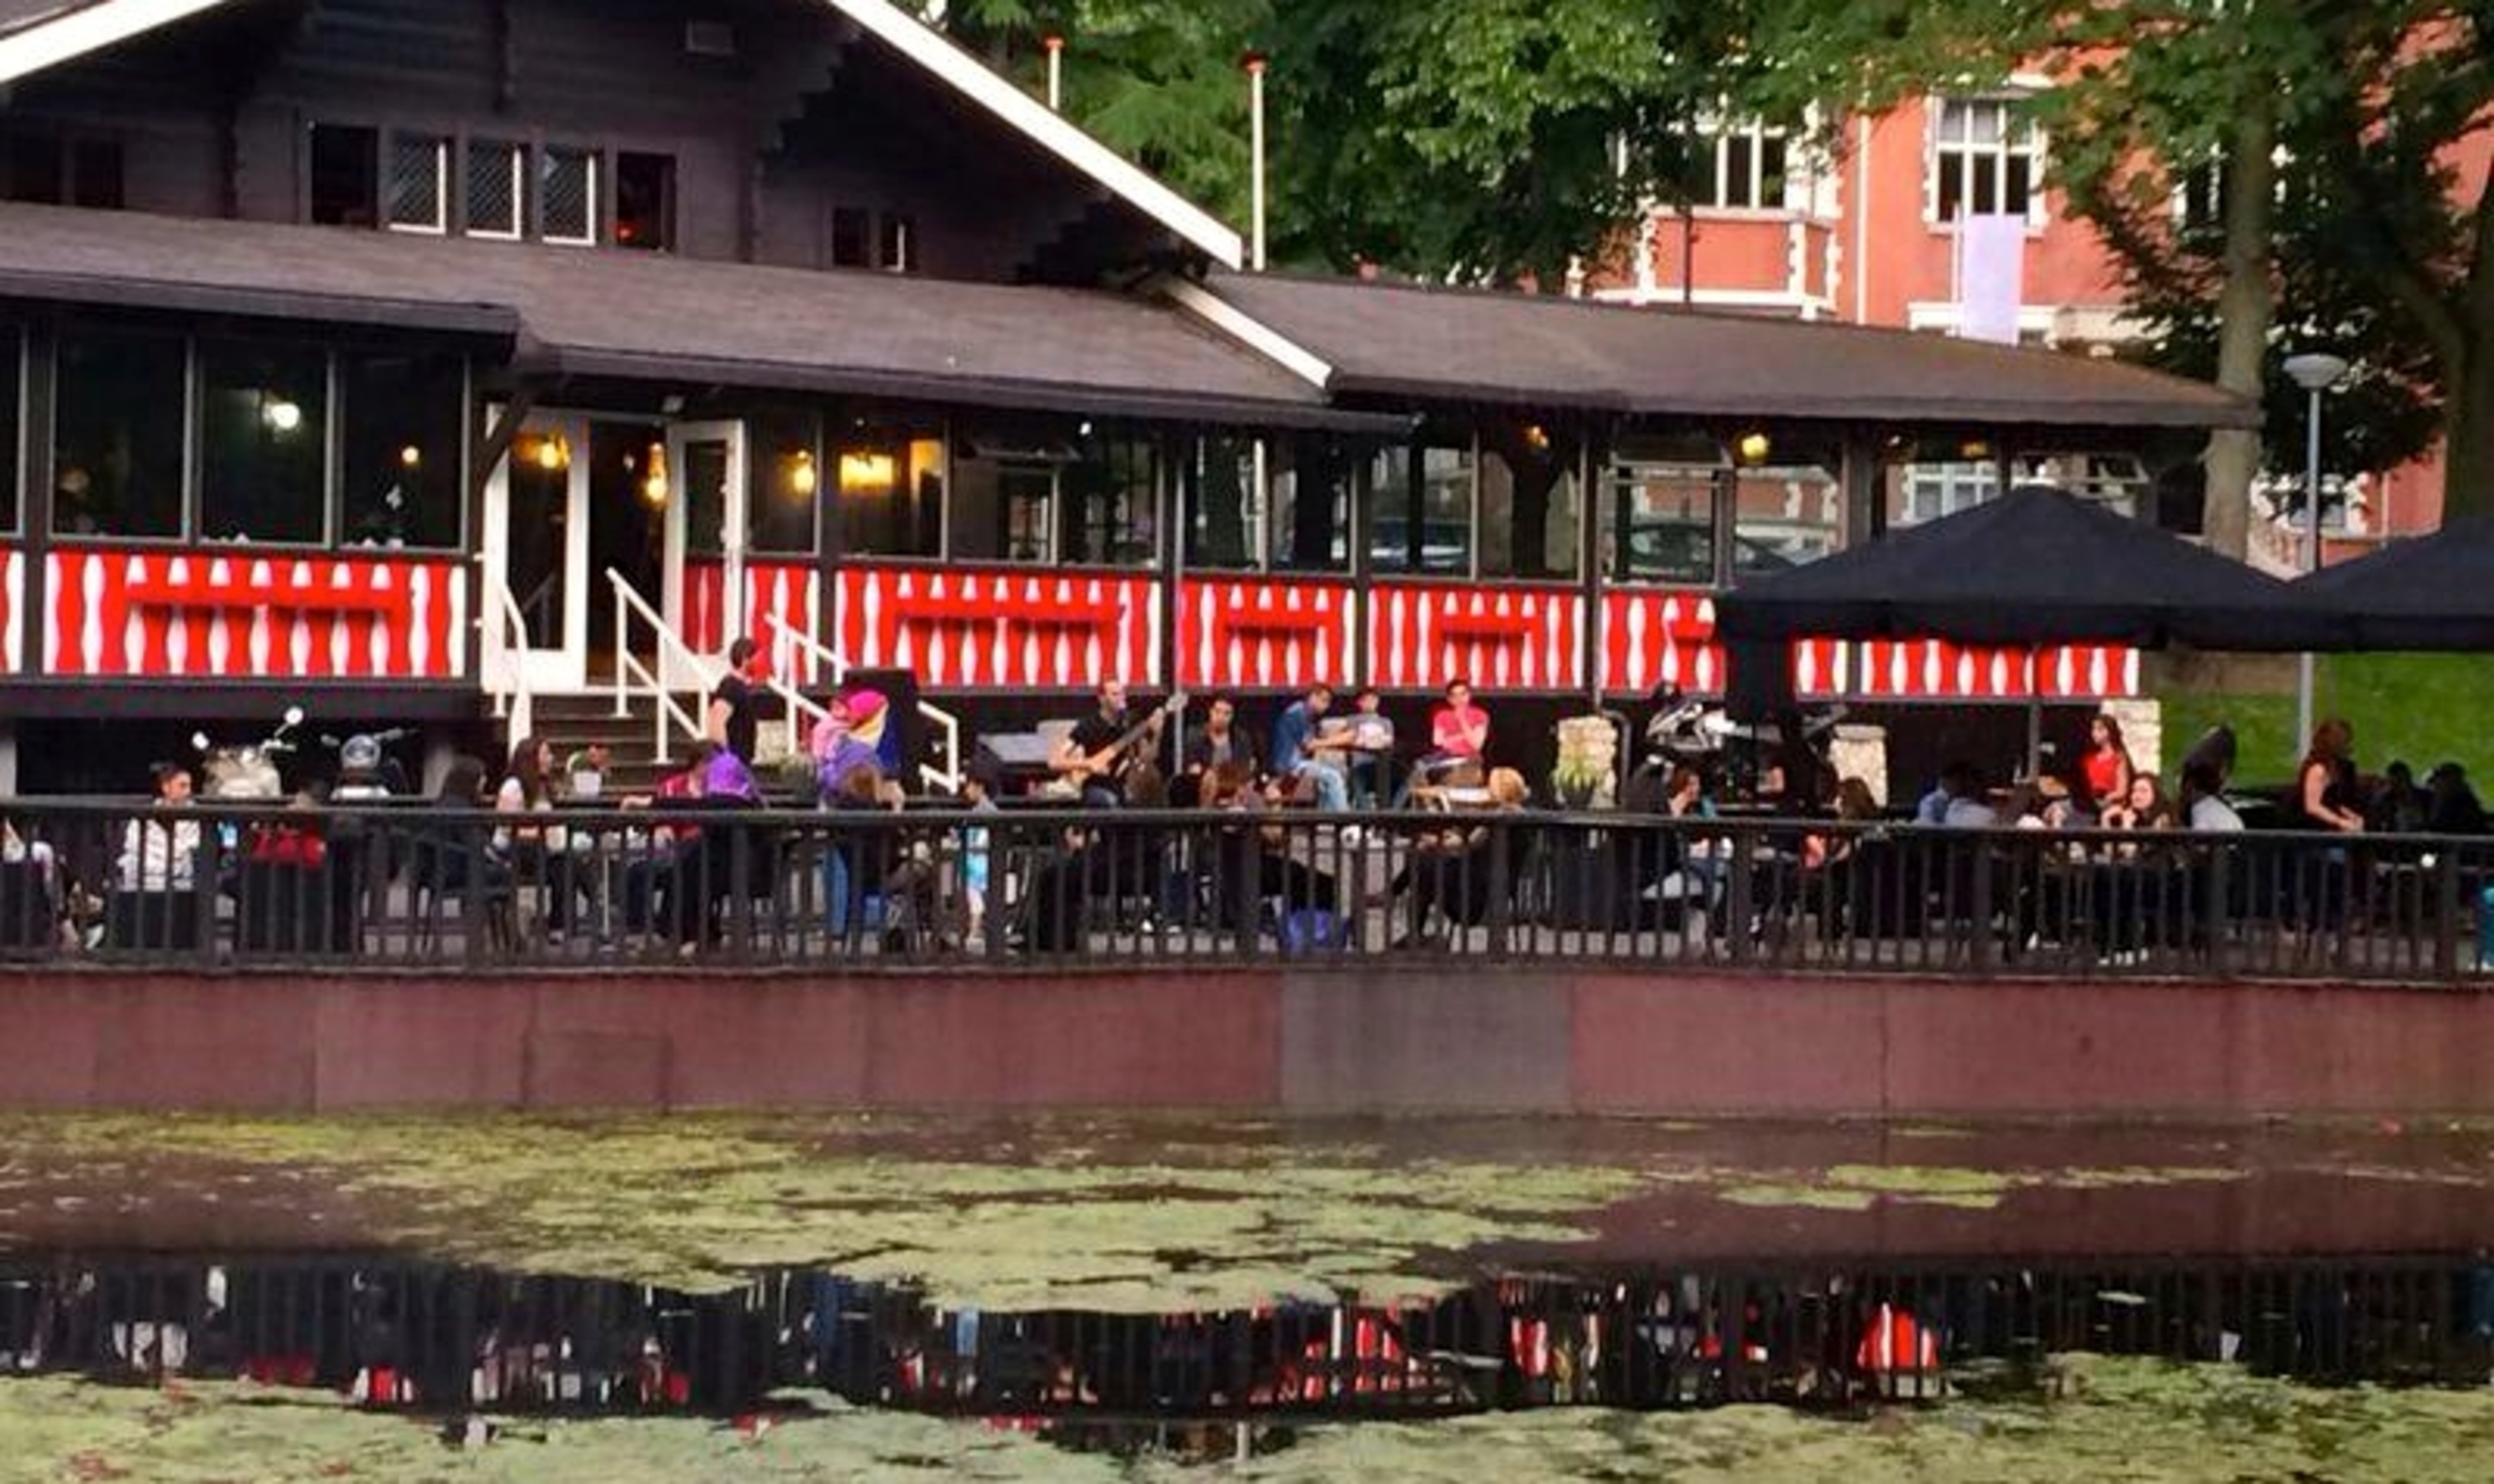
(646, 316)
(1480, 345)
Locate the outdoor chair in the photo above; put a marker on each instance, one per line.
(444, 869)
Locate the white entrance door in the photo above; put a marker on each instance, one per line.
(537, 549)
(705, 544)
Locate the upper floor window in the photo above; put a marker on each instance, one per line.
(410, 180)
(419, 183)
(1742, 167)
(866, 239)
(1986, 159)
(56, 169)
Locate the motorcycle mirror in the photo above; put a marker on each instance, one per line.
(294, 716)
(200, 740)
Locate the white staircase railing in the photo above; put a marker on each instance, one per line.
(512, 703)
(635, 676)
(787, 642)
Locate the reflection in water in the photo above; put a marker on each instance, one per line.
(449, 1339)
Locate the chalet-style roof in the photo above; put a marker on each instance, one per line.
(1473, 345)
(40, 34)
(646, 316)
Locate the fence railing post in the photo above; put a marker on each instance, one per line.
(1739, 894)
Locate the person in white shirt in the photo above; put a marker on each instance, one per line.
(157, 855)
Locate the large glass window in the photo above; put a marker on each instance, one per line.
(1530, 506)
(11, 410)
(1225, 519)
(1422, 503)
(118, 433)
(786, 483)
(1988, 159)
(1111, 501)
(1740, 166)
(1926, 491)
(889, 479)
(1659, 507)
(263, 442)
(1785, 515)
(401, 452)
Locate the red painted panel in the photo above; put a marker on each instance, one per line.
(991, 629)
(228, 613)
(1497, 636)
(1239, 633)
(13, 587)
(1659, 638)
(791, 589)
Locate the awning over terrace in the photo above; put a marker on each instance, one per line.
(1475, 346)
(2433, 592)
(646, 316)
(2036, 566)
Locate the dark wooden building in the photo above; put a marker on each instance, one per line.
(423, 357)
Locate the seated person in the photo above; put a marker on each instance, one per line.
(584, 770)
(1458, 738)
(1448, 873)
(2143, 808)
(1220, 743)
(1363, 745)
(2452, 806)
(2204, 798)
(1294, 749)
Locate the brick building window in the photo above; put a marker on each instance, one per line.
(1742, 168)
(1986, 159)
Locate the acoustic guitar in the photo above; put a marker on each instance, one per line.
(1112, 760)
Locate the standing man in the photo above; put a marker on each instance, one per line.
(734, 721)
(1294, 742)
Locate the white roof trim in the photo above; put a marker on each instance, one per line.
(1049, 130)
(92, 27)
(1253, 333)
(74, 33)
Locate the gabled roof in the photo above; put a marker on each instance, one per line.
(657, 318)
(1461, 345)
(40, 34)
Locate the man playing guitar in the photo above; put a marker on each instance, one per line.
(1101, 752)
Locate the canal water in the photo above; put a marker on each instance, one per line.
(1155, 1299)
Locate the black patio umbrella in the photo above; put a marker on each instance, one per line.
(2035, 567)
(2432, 592)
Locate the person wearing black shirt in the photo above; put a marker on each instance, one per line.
(734, 721)
(1082, 755)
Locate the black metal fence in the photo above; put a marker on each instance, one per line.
(399, 887)
(442, 1339)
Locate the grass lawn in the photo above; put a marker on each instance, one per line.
(2426, 709)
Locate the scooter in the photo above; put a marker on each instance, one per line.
(247, 772)
(366, 771)
(1689, 732)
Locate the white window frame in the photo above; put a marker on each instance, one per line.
(516, 155)
(1754, 179)
(392, 142)
(2020, 136)
(594, 203)
(1954, 485)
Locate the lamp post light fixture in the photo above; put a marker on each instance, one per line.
(2319, 374)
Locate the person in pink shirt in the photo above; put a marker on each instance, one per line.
(1458, 736)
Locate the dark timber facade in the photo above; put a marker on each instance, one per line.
(398, 354)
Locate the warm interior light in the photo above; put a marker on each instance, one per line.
(281, 415)
(410, 457)
(804, 479)
(1537, 437)
(548, 451)
(1754, 448)
(1974, 450)
(653, 482)
(869, 473)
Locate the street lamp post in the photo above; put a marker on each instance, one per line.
(2317, 373)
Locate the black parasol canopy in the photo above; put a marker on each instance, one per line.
(2037, 566)
(2432, 592)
